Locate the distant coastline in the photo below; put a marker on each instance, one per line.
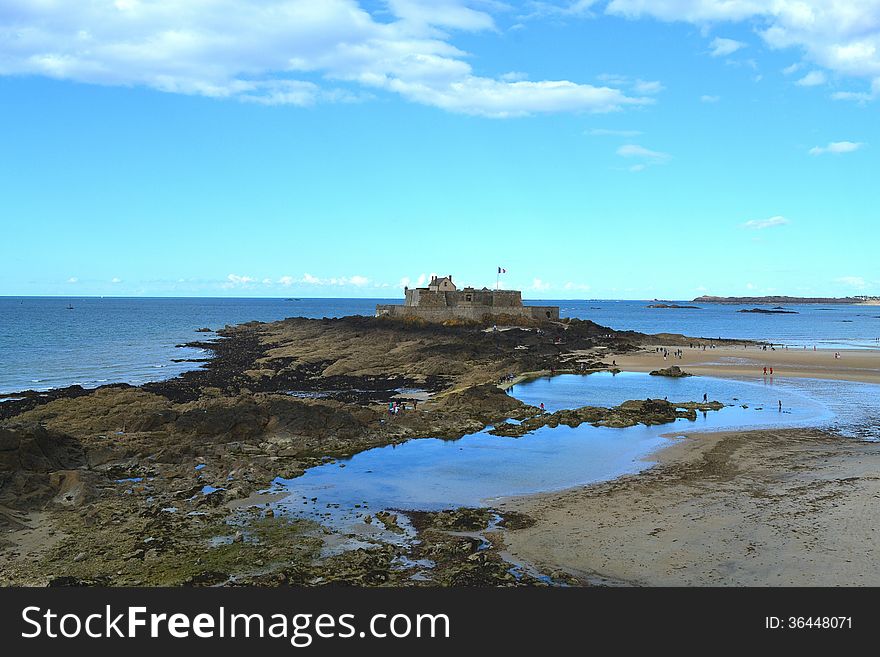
(860, 300)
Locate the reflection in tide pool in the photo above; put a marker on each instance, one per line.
(607, 389)
(431, 474)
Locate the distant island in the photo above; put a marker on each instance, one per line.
(775, 300)
(671, 305)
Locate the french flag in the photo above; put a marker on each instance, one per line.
(502, 271)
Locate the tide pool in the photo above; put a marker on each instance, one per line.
(478, 469)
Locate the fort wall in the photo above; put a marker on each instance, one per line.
(473, 313)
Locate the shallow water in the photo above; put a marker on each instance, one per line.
(478, 469)
(851, 408)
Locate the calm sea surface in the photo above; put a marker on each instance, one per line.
(44, 344)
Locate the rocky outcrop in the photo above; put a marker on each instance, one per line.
(482, 402)
(765, 311)
(673, 306)
(28, 454)
(675, 372)
(628, 414)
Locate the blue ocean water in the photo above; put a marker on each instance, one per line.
(43, 344)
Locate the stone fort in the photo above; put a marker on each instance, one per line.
(442, 300)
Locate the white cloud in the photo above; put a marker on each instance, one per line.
(760, 224)
(722, 47)
(614, 78)
(296, 52)
(234, 280)
(603, 132)
(569, 8)
(837, 147)
(859, 96)
(843, 37)
(339, 281)
(634, 150)
(647, 87)
(794, 68)
(644, 88)
(440, 13)
(576, 286)
(491, 98)
(115, 280)
(709, 99)
(539, 285)
(647, 156)
(694, 11)
(853, 281)
(73, 279)
(812, 79)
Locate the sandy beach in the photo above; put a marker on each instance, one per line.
(761, 508)
(852, 365)
(792, 507)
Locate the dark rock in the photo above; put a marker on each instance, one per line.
(673, 306)
(675, 371)
(765, 311)
(68, 581)
(629, 413)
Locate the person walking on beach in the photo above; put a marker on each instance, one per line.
(765, 371)
(780, 405)
(542, 407)
(705, 397)
(771, 371)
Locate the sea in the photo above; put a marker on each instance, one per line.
(51, 342)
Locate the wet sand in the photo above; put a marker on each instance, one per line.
(794, 507)
(853, 364)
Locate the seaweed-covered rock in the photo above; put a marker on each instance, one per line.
(628, 414)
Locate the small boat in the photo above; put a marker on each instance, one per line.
(69, 307)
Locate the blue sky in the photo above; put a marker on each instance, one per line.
(623, 149)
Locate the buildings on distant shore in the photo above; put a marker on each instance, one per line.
(442, 300)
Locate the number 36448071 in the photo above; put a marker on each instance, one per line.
(808, 622)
